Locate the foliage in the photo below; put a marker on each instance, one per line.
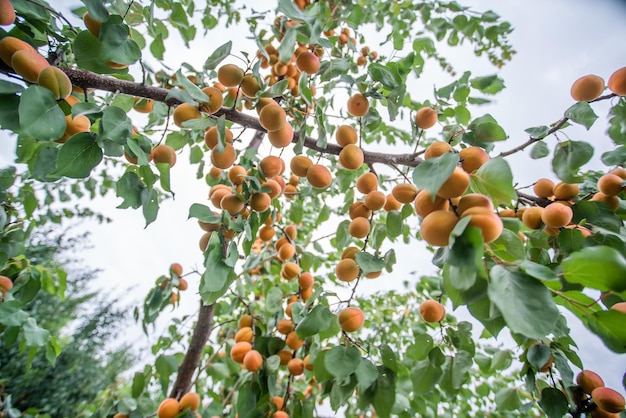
(510, 264)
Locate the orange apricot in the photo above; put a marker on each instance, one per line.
(295, 366)
(350, 252)
(404, 192)
(266, 233)
(141, 105)
(239, 351)
(253, 360)
(359, 210)
(589, 380)
(424, 203)
(5, 284)
(164, 154)
(472, 158)
(272, 118)
(489, 223)
(190, 400)
(308, 62)
(80, 123)
(244, 334)
(436, 227)
(346, 134)
(272, 166)
(293, 341)
(351, 157)
(367, 182)
(245, 321)
(285, 356)
(185, 112)
(285, 252)
(621, 172)
(359, 227)
(611, 201)
(177, 269)
(358, 105)
(232, 204)
(281, 137)
(617, 82)
(391, 203)
(260, 202)
(375, 200)
(274, 187)
(608, 399)
(306, 280)
(250, 85)
(556, 215)
(290, 270)
(204, 241)
(319, 176)
(531, 217)
(285, 326)
(426, 117)
(437, 149)
(9, 45)
(55, 80)
(216, 99)
(543, 188)
(471, 200)
(237, 174)
(456, 185)
(230, 75)
(169, 408)
(565, 190)
(225, 158)
(347, 270)
(610, 184)
(432, 311)
(211, 134)
(351, 319)
(620, 307)
(300, 164)
(92, 25)
(7, 13)
(28, 64)
(586, 88)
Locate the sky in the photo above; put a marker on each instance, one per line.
(556, 42)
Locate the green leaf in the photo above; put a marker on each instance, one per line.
(553, 402)
(275, 90)
(34, 335)
(525, 304)
(538, 132)
(581, 113)
(486, 129)
(617, 123)
(538, 355)
(490, 84)
(287, 45)
(394, 224)
(139, 383)
(369, 263)
(165, 366)
(89, 53)
(117, 46)
(599, 267)
(385, 393)
(427, 373)
(218, 56)
(129, 188)
(11, 313)
(609, 325)
(388, 357)
(538, 271)
(508, 246)
(507, 399)
(384, 75)
(78, 156)
(218, 274)
(316, 321)
(494, 179)
(150, 205)
(366, 374)
(39, 114)
(342, 361)
(273, 300)
(321, 372)
(433, 172)
(568, 157)
(115, 126)
(457, 370)
(97, 10)
(194, 91)
(9, 112)
(539, 150)
(6, 87)
(203, 213)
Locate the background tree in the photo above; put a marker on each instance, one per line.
(281, 326)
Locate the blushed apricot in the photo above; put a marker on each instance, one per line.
(346, 134)
(272, 166)
(232, 204)
(424, 203)
(375, 200)
(308, 62)
(10, 45)
(164, 154)
(6, 284)
(620, 307)
(306, 280)
(300, 164)
(565, 190)
(280, 414)
(190, 400)
(456, 185)
(225, 158)
(169, 408)
(359, 227)
(358, 105)
(80, 123)
(28, 64)
(437, 149)
(557, 215)
(486, 220)
(608, 399)
(472, 158)
(293, 341)
(351, 157)
(473, 200)
(436, 227)
(177, 269)
(432, 311)
(253, 361)
(610, 184)
(404, 192)
(351, 319)
(295, 366)
(282, 137)
(347, 270)
(543, 188)
(56, 81)
(367, 182)
(7, 13)
(273, 187)
(426, 117)
(272, 118)
(244, 334)
(586, 88)
(185, 112)
(230, 75)
(391, 203)
(239, 351)
(319, 176)
(617, 82)
(532, 217)
(611, 201)
(589, 380)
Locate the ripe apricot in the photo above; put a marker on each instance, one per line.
(472, 158)
(359, 227)
(404, 192)
(7, 13)
(285, 356)
(169, 408)
(367, 182)
(424, 203)
(565, 190)
(245, 321)
(282, 137)
(375, 200)
(190, 400)
(56, 81)
(141, 105)
(260, 202)
(359, 210)
(346, 134)
(232, 204)
(266, 233)
(306, 280)
(28, 64)
(471, 200)
(290, 270)
(619, 172)
(489, 223)
(92, 25)
(5, 284)
(237, 174)
(307, 363)
(601, 413)
(426, 117)
(351, 319)
(239, 351)
(319, 176)
(164, 154)
(280, 414)
(437, 149)
(285, 252)
(437, 226)
(351, 157)
(272, 166)
(432, 311)
(216, 99)
(589, 380)
(347, 270)
(532, 217)
(244, 334)
(10, 45)
(543, 188)
(617, 82)
(456, 185)
(358, 105)
(295, 366)
(272, 118)
(225, 158)
(619, 306)
(300, 164)
(610, 184)
(253, 361)
(211, 134)
(80, 123)
(293, 341)
(308, 62)
(608, 399)
(611, 201)
(204, 241)
(391, 203)
(557, 215)
(230, 75)
(273, 186)
(250, 85)
(285, 326)
(177, 269)
(350, 252)
(185, 112)
(586, 88)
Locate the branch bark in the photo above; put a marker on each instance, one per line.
(190, 363)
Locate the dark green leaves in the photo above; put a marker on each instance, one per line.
(39, 114)
(369, 263)
(218, 274)
(117, 46)
(525, 304)
(218, 56)
(432, 173)
(553, 402)
(601, 267)
(384, 75)
(78, 156)
(581, 113)
(491, 84)
(316, 321)
(495, 179)
(341, 361)
(568, 157)
(486, 129)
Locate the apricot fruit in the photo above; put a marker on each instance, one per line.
(253, 361)
(367, 182)
(285, 356)
(80, 123)
(56, 81)
(239, 351)
(290, 270)
(272, 118)
(225, 158)
(244, 334)
(557, 215)
(620, 307)
(472, 158)
(295, 366)
(621, 172)
(260, 202)
(272, 166)
(610, 184)
(359, 227)
(611, 201)
(532, 217)
(455, 185)
(424, 203)
(250, 85)
(404, 192)
(293, 341)
(204, 241)
(437, 149)
(473, 200)
(216, 99)
(142, 105)
(308, 62)
(164, 154)
(190, 400)
(300, 164)
(391, 203)
(350, 252)
(245, 321)
(347, 270)
(617, 82)
(28, 64)
(92, 25)
(285, 326)
(359, 210)
(375, 200)
(7, 13)
(10, 45)
(185, 112)
(230, 75)
(351, 319)
(586, 88)
(286, 252)
(177, 269)
(358, 105)
(275, 189)
(608, 399)
(169, 408)
(319, 176)
(436, 227)
(489, 223)
(346, 134)
(5, 284)
(351, 157)
(280, 414)
(426, 117)
(282, 137)
(306, 280)
(543, 188)
(211, 134)
(565, 190)
(589, 380)
(432, 311)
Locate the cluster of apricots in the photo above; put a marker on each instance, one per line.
(304, 59)
(591, 86)
(176, 279)
(606, 402)
(171, 407)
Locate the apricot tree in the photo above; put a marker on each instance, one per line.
(318, 160)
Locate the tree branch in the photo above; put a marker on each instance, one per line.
(190, 363)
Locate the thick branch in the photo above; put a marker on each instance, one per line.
(191, 361)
